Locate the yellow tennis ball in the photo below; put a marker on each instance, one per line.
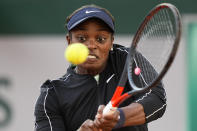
(76, 53)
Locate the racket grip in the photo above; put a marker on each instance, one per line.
(109, 109)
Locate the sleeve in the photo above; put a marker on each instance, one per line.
(154, 99)
(154, 102)
(47, 113)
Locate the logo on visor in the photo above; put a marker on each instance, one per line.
(91, 11)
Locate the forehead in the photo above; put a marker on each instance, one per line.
(93, 21)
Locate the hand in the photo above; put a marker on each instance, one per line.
(108, 121)
(88, 125)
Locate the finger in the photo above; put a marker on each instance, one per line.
(104, 125)
(92, 126)
(100, 111)
(98, 123)
(88, 125)
(107, 122)
(101, 123)
(114, 115)
(111, 121)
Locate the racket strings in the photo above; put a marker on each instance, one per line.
(162, 31)
(142, 80)
(170, 35)
(156, 44)
(147, 72)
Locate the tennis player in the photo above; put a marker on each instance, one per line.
(76, 100)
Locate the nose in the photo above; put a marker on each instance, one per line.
(91, 44)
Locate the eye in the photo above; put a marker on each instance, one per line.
(101, 39)
(81, 39)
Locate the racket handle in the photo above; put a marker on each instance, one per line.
(109, 109)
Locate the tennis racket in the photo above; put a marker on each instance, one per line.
(151, 54)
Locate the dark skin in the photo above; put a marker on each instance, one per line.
(99, 39)
(96, 36)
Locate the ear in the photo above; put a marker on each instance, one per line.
(112, 41)
(112, 38)
(68, 39)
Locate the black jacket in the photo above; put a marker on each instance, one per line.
(64, 104)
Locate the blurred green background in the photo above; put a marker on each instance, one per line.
(48, 16)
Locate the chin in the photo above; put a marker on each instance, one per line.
(88, 66)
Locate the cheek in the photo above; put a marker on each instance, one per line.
(104, 53)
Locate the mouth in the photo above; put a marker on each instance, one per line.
(92, 57)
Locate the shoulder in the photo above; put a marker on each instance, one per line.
(47, 89)
(118, 52)
(67, 84)
(117, 58)
(50, 84)
(119, 49)
(46, 86)
(52, 88)
(60, 82)
(47, 96)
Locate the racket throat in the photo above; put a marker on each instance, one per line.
(117, 93)
(113, 104)
(116, 102)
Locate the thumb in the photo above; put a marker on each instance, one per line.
(100, 111)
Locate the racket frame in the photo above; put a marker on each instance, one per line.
(172, 55)
(117, 98)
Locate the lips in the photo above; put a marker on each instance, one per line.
(92, 58)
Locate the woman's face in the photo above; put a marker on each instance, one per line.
(97, 37)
